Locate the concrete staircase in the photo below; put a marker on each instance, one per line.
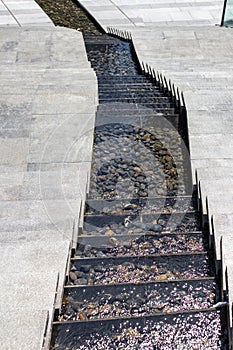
(47, 110)
(142, 256)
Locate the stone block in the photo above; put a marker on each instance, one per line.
(14, 150)
(69, 140)
(23, 330)
(27, 291)
(212, 186)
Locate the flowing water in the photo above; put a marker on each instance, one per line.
(142, 276)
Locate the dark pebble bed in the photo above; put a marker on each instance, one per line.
(66, 13)
(136, 301)
(133, 163)
(183, 222)
(138, 270)
(197, 331)
(144, 246)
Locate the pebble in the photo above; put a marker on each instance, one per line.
(156, 228)
(85, 268)
(72, 276)
(81, 282)
(203, 333)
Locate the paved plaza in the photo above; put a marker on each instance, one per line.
(45, 77)
(48, 101)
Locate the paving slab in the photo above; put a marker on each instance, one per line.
(217, 185)
(41, 257)
(67, 141)
(121, 14)
(23, 330)
(220, 225)
(22, 13)
(227, 252)
(35, 215)
(27, 291)
(214, 172)
(47, 113)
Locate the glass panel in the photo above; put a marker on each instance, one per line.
(228, 14)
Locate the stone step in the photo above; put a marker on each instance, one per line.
(144, 206)
(45, 47)
(136, 99)
(100, 40)
(141, 86)
(216, 172)
(142, 300)
(124, 108)
(23, 330)
(51, 76)
(126, 79)
(127, 224)
(37, 258)
(214, 186)
(141, 269)
(131, 112)
(36, 236)
(116, 245)
(158, 106)
(219, 228)
(114, 86)
(151, 331)
(27, 291)
(133, 94)
(39, 215)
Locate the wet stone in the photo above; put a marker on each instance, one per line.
(161, 173)
(145, 246)
(131, 301)
(80, 282)
(130, 226)
(162, 333)
(139, 271)
(143, 206)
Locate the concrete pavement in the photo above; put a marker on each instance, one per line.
(47, 113)
(22, 13)
(144, 13)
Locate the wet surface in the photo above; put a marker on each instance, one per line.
(129, 161)
(162, 205)
(132, 224)
(195, 331)
(139, 269)
(134, 301)
(142, 246)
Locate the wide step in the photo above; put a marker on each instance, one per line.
(136, 270)
(107, 302)
(197, 330)
(133, 224)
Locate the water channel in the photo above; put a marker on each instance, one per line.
(142, 276)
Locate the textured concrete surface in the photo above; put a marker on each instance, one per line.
(48, 100)
(23, 330)
(144, 13)
(22, 13)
